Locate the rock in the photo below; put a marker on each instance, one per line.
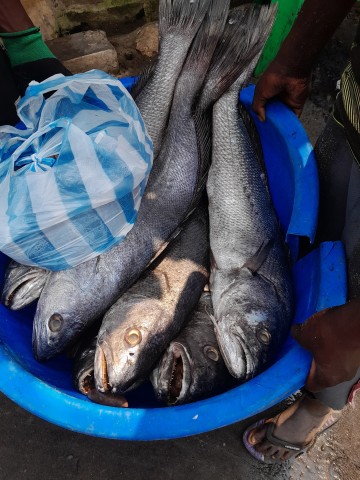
(151, 9)
(84, 51)
(147, 40)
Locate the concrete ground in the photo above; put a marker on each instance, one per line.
(32, 449)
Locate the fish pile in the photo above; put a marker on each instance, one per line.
(143, 310)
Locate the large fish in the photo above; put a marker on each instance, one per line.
(83, 373)
(140, 325)
(179, 21)
(192, 367)
(250, 279)
(73, 299)
(22, 285)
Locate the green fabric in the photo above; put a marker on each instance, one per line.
(26, 46)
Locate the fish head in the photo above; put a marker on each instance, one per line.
(250, 326)
(172, 377)
(192, 366)
(187, 372)
(60, 317)
(130, 341)
(23, 285)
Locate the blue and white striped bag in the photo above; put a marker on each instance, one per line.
(71, 183)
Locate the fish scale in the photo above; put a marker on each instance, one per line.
(176, 35)
(250, 278)
(83, 294)
(155, 308)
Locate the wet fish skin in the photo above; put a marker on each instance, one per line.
(83, 373)
(192, 367)
(22, 285)
(179, 20)
(139, 326)
(73, 299)
(250, 278)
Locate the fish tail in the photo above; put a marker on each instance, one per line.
(181, 16)
(237, 53)
(204, 45)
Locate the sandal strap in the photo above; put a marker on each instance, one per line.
(283, 443)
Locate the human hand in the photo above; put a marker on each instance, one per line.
(278, 81)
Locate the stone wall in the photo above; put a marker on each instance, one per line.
(57, 17)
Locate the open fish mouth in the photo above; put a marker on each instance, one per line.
(13, 297)
(86, 385)
(179, 371)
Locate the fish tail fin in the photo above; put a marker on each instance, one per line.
(237, 53)
(203, 46)
(181, 16)
(176, 17)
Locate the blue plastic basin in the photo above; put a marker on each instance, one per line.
(47, 391)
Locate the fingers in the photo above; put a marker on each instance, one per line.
(259, 104)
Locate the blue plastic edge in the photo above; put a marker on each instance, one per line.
(303, 220)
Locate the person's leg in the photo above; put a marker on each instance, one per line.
(29, 56)
(339, 193)
(8, 92)
(351, 233)
(334, 160)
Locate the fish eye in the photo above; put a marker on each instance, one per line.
(264, 336)
(211, 353)
(133, 337)
(55, 322)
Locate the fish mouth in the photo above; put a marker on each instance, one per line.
(236, 353)
(86, 385)
(100, 371)
(86, 381)
(12, 294)
(178, 372)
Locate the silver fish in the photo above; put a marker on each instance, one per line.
(83, 373)
(179, 21)
(137, 329)
(73, 299)
(250, 278)
(22, 285)
(192, 367)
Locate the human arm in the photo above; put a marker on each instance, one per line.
(288, 76)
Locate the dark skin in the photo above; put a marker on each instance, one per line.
(13, 17)
(288, 79)
(288, 76)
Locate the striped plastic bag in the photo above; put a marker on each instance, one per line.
(71, 182)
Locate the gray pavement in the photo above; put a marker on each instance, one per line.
(32, 449)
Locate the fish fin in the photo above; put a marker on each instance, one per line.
(254, 263)
(212, 261)
(254, 137)
(181, 16)
(203, 130)
(204, 45)
(235, 59)
(143, 79)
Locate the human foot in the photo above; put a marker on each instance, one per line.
(290, 433)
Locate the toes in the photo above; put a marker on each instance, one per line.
(257, 435)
